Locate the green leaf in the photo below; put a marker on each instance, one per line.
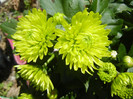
(68, 7)
(52, 7)
(99, 5)
(127, 16)
(131, 3)
(119, 7)
(9, 27)
(130, 53)
(71, 7)
(130, 70)
(108, 17)
(121, 52)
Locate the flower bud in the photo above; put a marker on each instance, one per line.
(53, 94)
(122, 86)
(128, 61)
(107, 72)
(58, 17)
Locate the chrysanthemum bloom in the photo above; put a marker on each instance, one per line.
(123, 86)
(37, 77)
(34, 35)
(107, 72)
(84, 41)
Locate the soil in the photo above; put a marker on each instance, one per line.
(8, 80)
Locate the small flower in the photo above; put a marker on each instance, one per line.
(123, 86)
(107, 72)
(84, 41)
(34, 35)
(113, 54)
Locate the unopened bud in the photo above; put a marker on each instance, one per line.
(53, 94)
(128, 61)
(58, 17)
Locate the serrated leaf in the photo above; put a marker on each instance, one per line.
(99, 5)
(130, 70)
(71, 7)
(9, 27)
(128, 19)
(121, 52)
(108, 17)
(68, 7)
(52, 7)
(119, 7)
(130, 53)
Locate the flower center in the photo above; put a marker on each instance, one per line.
(106, 71)
(129, 86)
(83, 42)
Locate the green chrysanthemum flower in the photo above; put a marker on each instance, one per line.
(84, 41)
(25, 96)
(36, 76)
(123, 86)
(107, 72)
(34, 34)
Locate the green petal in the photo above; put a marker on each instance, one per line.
(34, 35)
(84, 41)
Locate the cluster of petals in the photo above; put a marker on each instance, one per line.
(84, 41)
(123, 86)
(107, 72)
(34, 35)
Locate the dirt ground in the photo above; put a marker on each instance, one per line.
(9, 86)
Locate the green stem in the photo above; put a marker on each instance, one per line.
(49, 60)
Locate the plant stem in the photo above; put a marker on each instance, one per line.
(48, 61)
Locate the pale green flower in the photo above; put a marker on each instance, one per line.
(34, 35)
(84, 41)
(123, 86)
(37, 77)
(107, 72)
